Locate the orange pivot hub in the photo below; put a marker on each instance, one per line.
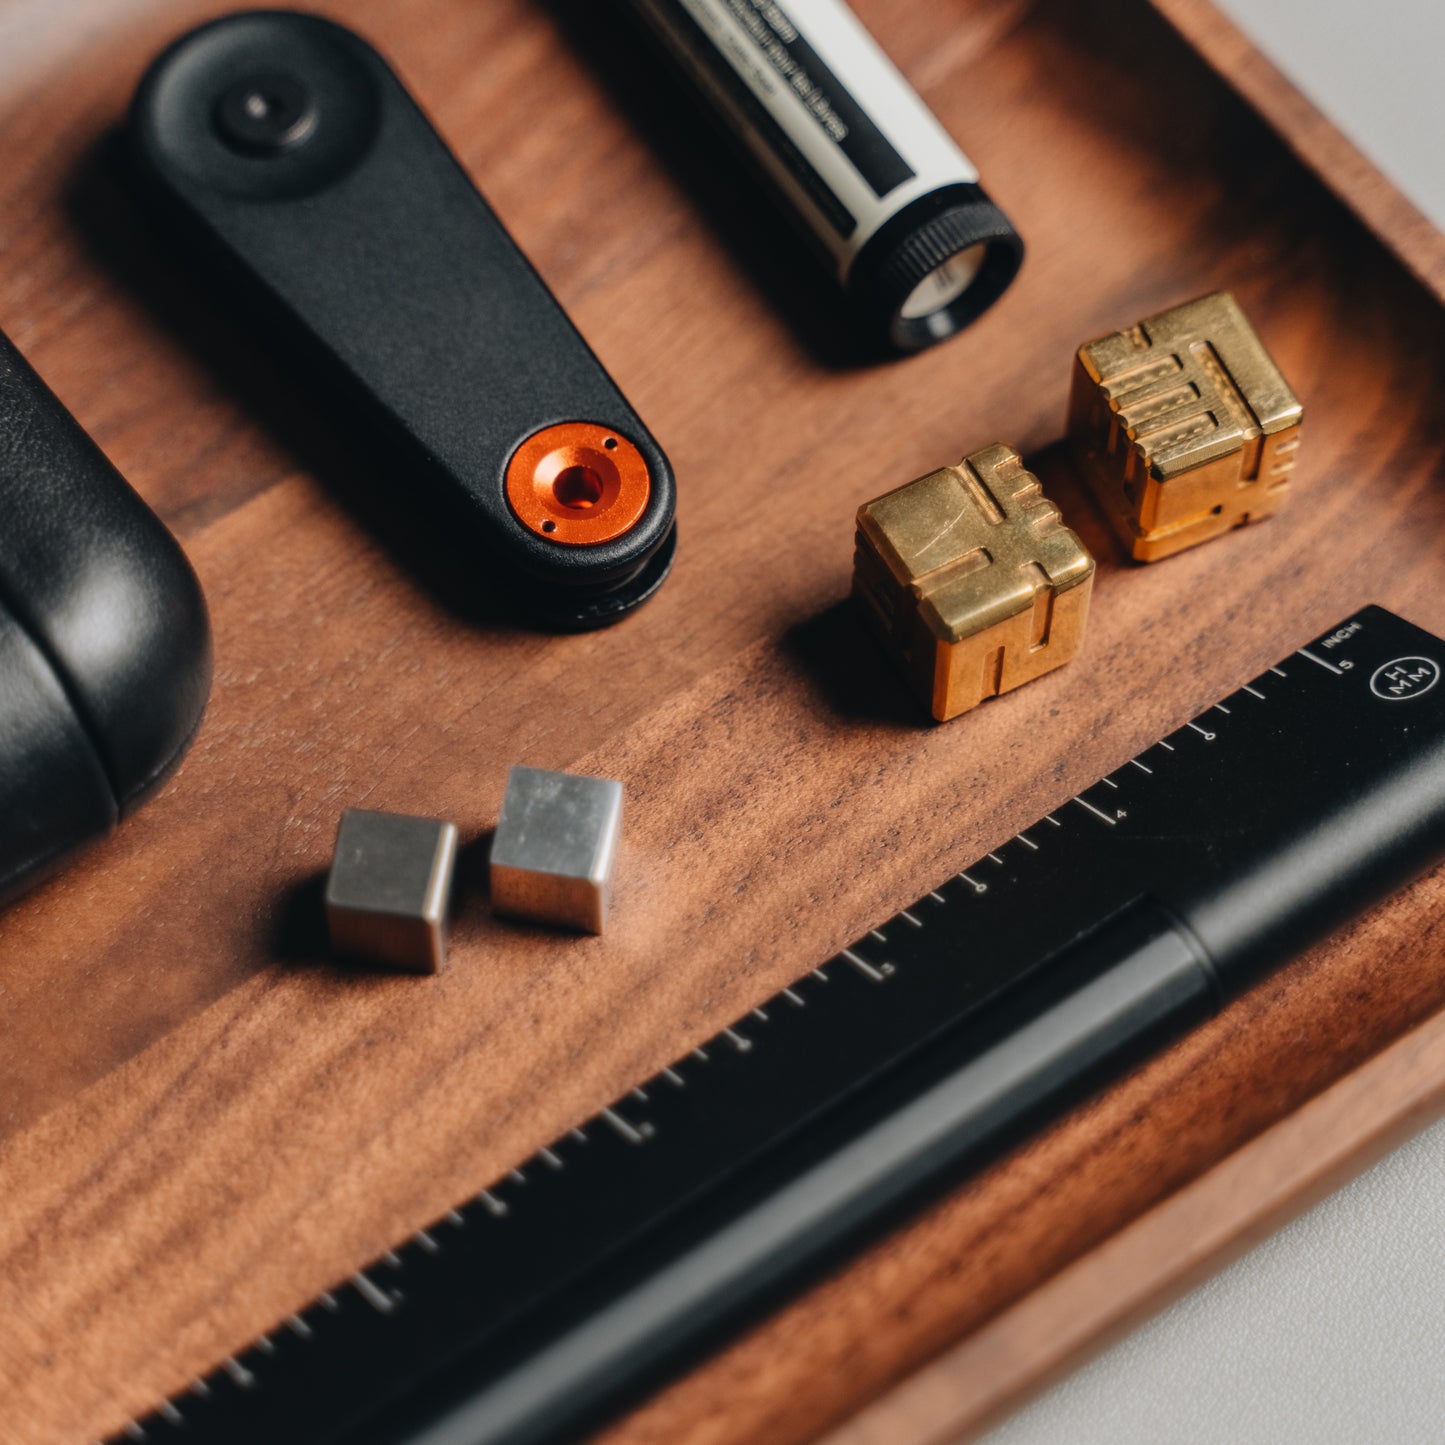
(577, 483)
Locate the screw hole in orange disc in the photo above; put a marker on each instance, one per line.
(577, 483)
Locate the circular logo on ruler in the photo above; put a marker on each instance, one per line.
(1406, 677)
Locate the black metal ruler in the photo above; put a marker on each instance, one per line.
(1002, 996)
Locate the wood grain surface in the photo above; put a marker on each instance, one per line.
(204, 1123)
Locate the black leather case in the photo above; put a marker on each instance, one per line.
(105, 646)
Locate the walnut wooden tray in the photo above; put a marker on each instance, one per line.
(204, 1123)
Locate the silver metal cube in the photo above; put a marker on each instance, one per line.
(386, 898)
(554, 848)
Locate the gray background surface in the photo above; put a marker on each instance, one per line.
(1333, 1331)
(1372, 66)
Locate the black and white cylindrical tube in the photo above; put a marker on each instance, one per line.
(875, 181)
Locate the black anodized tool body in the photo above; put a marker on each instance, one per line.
(287, 147)
(1003, 996)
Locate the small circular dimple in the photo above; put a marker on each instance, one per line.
(610, 443)
(549, 525)
(265, 114)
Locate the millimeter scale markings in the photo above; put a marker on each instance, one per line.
(769, 1081)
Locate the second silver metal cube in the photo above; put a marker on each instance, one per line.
(554, 849)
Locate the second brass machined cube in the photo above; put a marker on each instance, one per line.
(1183, 426)
(972, 579)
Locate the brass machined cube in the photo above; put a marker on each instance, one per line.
(974, 582)
(1183, 426)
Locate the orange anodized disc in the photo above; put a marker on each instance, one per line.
(577, 483)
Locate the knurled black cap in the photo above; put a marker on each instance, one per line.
(936, 265)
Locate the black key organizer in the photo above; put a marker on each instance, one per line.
(288, 147)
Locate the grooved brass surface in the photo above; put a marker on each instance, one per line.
(1183, 426)
(972, 579)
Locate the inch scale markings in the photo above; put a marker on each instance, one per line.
(787, 1066)
(878, 974)
(1320, 662)
(634, 1134)
(373, 1294)
(1104, 817)
(495, 1208)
